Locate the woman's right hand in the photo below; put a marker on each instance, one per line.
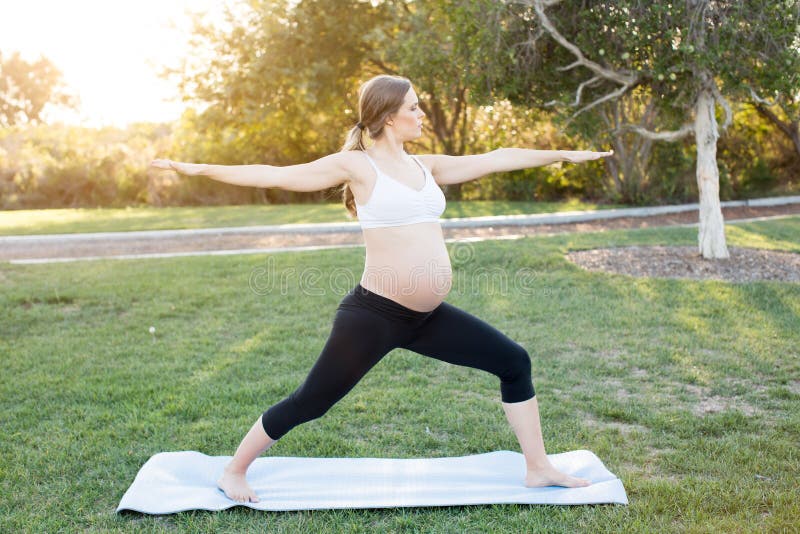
(190, 169)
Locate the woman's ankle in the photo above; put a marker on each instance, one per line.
(235, 469)
(539, 465)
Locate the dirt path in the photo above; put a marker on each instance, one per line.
(109, 247)
(743, 265)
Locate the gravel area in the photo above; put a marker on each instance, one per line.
(744, 264)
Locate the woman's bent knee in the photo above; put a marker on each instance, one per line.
(517, 385)
(289, 413)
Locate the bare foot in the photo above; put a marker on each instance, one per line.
(550, 476)
(236, 487)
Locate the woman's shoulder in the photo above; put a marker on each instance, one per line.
(350, 156)
(356, 164)
(428, 160)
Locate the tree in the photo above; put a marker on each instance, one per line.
(27, 87)
(688, 56)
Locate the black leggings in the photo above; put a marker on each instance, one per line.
(368, 325)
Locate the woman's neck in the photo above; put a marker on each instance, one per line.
(390, 149)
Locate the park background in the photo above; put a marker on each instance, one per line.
(686, 389)
(276, 82)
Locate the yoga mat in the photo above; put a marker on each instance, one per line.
(171, 482)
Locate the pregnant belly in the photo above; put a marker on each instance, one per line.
(418, 276)
(419, 287)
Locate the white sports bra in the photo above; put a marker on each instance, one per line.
(395, 204)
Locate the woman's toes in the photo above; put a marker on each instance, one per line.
(235, 487)
(553, 477)
(575, 482)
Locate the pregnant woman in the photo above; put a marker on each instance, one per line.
(399, 302)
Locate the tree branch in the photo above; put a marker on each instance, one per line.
(624, 79)
(674, 135)
(382, 66)
(609, 96)
(570, 66)
(580, 89)
(725, 105)
(760, 100)
(608, 74)
(785, 127)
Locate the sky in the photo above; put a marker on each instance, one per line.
(108, 51)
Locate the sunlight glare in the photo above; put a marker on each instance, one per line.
(109, 52)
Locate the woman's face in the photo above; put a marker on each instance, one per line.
(407, 121)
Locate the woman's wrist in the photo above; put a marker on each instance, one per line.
(194, 169)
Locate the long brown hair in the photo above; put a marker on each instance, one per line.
(378, 98)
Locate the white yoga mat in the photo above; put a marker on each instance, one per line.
(172, 482)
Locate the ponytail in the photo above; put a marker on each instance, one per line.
(355, 141)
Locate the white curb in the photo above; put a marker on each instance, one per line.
(463, 222)
(230, 252)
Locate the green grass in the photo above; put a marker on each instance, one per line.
(623, 367)
(64, 221)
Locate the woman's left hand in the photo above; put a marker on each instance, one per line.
(190, 169)
(584, 155)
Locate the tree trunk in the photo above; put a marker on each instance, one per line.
(711, 238)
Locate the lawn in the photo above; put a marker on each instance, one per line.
(65, 221)
(689, 391)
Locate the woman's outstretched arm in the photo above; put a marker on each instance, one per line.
(329, 171)
(459, 169)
